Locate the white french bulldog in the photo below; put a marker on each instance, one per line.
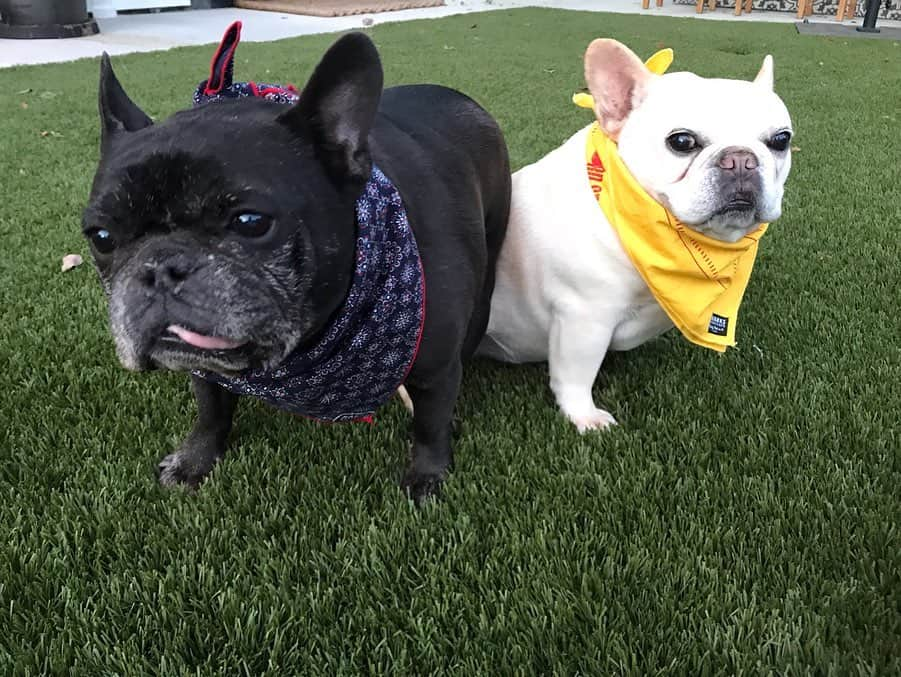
(715, 153)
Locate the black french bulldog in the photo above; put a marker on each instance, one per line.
(234, 241)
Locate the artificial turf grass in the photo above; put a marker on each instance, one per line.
(743, 518)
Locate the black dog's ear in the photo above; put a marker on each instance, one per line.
(338, 106)
(117, 111)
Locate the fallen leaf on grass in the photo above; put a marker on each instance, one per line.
(25, 91)
(71, 261)
(796, 149)
(47, 133)
(23, 106)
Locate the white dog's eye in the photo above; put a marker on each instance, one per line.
(682, 142)
(779, 142)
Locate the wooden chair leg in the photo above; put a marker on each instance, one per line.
(846, 9)
(660, 3)
(699, 6)
(738, 7)
(711, 5)
(749, 6)
(645, 4)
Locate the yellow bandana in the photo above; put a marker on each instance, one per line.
(697, 280)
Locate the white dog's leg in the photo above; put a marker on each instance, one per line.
(577, 348)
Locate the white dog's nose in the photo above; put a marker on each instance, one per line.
(737, 159)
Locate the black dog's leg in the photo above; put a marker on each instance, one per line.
(432, 457)
(205, 445)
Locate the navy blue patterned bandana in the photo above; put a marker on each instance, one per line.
(367, 351)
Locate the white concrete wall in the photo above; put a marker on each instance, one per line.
(104, 9)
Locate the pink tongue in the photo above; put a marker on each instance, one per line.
(204, 342)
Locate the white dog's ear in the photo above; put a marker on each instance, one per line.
(617, 80)
(765, 74)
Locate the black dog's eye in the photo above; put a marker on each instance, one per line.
(780, 141)
(102, 240)
(682, 142)
(251, 224)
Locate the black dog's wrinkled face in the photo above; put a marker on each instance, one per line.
(224, 236)
(199, 227)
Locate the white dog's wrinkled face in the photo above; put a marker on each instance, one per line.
(715, 152)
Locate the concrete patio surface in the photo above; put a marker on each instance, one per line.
(147, 32)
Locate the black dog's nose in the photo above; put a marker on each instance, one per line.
(737, 160)
(167, 273)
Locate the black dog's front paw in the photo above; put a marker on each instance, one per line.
(202, 449)
(421, 485)
(185, 468)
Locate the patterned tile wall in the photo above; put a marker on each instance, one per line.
(889, 9)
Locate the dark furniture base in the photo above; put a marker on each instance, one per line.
(49, 30)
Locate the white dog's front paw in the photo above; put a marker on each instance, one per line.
(598, 419)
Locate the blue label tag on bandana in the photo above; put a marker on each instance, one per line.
(719, 325)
